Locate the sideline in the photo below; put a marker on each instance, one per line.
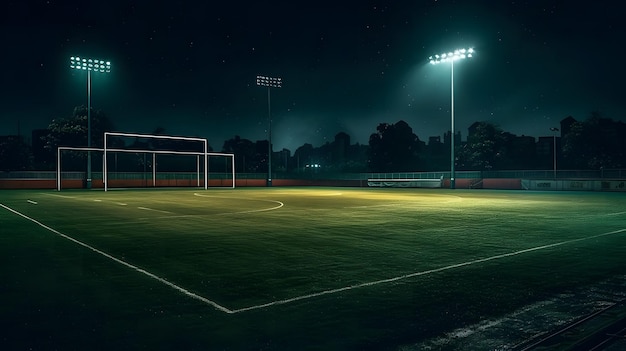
(430, 271)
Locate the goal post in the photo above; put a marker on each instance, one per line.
(60, 149)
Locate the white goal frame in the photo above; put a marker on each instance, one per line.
(106, 134)
(105, 150)
(171, 137)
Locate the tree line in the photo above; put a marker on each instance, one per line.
(594, 143)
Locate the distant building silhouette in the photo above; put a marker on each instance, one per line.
(566, 125)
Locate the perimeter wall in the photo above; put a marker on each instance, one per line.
(607, 180)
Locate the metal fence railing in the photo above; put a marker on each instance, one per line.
(511, 174)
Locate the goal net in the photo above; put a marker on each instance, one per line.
(130, 160)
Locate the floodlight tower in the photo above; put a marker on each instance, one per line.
(458, 54)
(88, 64)
(269, 82)
(554, 130)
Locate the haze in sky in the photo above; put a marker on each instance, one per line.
(346, 66)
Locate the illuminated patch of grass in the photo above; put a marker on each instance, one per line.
(248, 247)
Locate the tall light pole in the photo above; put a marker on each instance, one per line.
(269, 82)
(458, 54)
(554, 130)
(88, 64)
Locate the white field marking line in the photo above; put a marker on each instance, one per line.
(31, 202)
(152, 209)
(124, 263)
(74, 197)
(280, 204)
(317, 294)
(63, 196)
(416, 274)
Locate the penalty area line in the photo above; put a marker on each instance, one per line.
(124, 263)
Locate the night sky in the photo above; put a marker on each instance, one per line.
(190, 67)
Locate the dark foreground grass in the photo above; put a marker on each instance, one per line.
(292, 268)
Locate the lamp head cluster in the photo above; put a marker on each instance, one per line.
(458, 54)
(270, 82)
(90, 64)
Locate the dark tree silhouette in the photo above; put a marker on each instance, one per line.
(485, 148)
(394, 148)
(72, 132)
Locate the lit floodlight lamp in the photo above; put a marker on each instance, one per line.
(272, 82)
(459, 54)
(269, 82)
(89, 65)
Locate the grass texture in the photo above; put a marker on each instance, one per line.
(289, 268)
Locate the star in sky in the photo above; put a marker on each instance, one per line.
(347, 66)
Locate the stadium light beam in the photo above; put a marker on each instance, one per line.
(450, 57)
(554, 130)
(269, 82)
(88, 64)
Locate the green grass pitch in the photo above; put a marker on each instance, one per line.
(289, 268)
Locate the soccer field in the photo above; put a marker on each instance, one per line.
(291, 268)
